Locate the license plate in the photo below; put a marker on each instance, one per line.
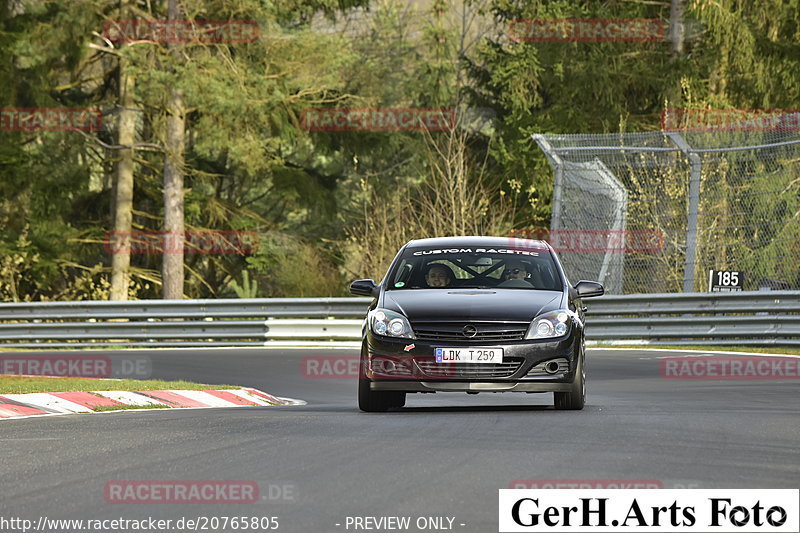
(469, 355)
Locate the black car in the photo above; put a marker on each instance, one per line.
(473, 314)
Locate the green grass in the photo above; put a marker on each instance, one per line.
(25, 384)
(753, 349)
(11, 348)
(101, 408)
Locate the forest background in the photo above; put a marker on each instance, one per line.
(210, 136)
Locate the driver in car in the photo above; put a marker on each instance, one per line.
(515, 270)
(515, 274)
(439, 275)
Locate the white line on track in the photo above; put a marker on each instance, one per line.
(292, 402)
(34, 439)
(703, 352)
(344, 345)
(355, 345)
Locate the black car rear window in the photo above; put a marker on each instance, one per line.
(474, 268)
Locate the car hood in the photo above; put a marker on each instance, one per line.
(471, 304)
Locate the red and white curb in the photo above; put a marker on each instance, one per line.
(63, 403)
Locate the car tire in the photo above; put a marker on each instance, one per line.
(575, 399)
(398, 399)
(371, 401)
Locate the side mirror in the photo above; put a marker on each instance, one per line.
(587, 289)
(364, 287)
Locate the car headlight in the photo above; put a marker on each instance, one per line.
(551, 324)
(389, 324)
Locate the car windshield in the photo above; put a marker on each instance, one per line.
(474, 268)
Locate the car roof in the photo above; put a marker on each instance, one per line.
(475, 241)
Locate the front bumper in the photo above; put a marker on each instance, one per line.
(469, 386)
(409, 365)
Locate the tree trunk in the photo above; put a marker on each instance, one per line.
(123, 190)
(673, 93)
(676, 30)
(172, 270)
(172, 266)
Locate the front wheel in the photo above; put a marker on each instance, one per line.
(575, 399)
(371, 401)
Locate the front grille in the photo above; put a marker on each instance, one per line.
(454, 331)
(538, 370)
(468, 370)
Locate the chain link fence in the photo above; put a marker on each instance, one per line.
(654, 212)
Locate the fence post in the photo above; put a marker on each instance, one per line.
(693, 210)
(691, 229)
(557, 164)
(555, 212)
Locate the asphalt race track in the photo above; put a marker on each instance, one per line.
(443, 455)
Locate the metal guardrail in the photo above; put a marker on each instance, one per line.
(198, 309)
(744, 318)
(760, 318)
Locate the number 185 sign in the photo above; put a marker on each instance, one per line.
(725, 280)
